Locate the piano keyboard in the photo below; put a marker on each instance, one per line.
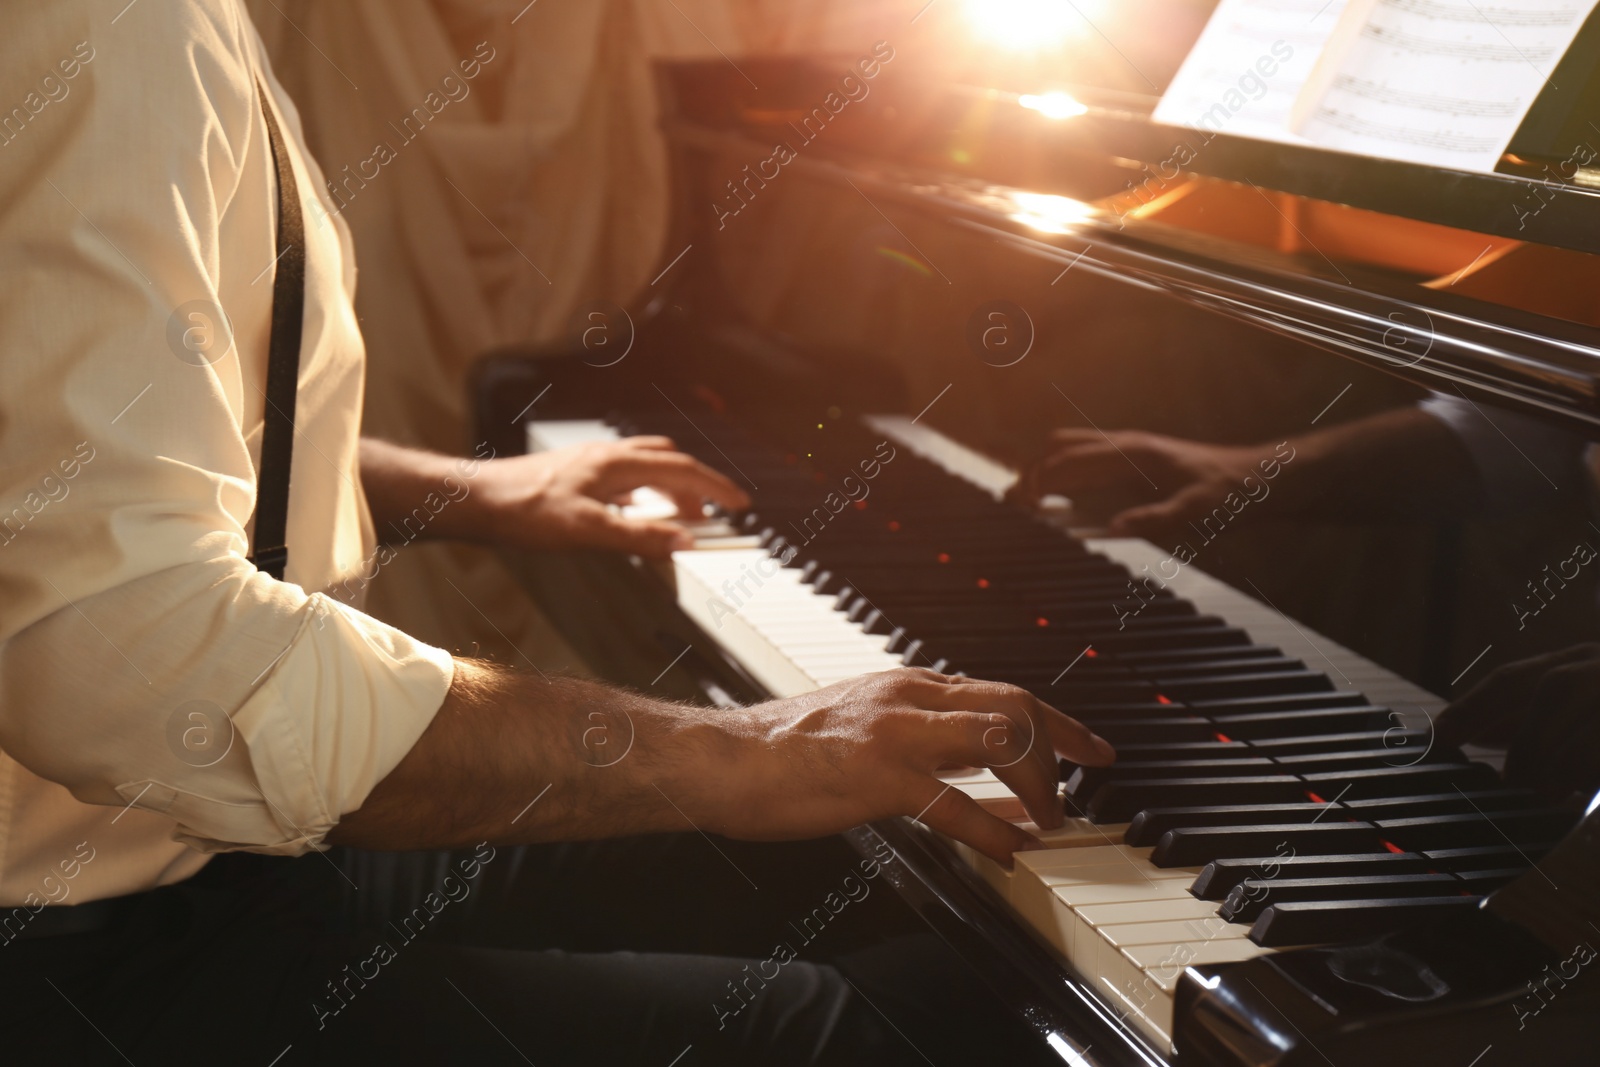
(1272, 788)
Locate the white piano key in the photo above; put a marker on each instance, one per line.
(1133, 911)
(1109, 850)
(996, 798)
(1088, 856)
(1033, 892)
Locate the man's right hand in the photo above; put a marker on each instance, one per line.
(603, 762)
(869, 748)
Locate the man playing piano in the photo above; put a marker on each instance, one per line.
(163, 700)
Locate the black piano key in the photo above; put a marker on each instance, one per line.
(1501, 855)
(1298, 722)
(1317, 922)
(1121, 801)
(1083, 782)
(1424, 778)
(1477, 828)
(959, 643)
(1358, 759)
(1149, 730)
(1219, 876)
(1273, 704)
(1452, 803)
(1197, 691)
(1148, 825)
(1206, 632)
(1084, 711)
(1345, 742)
(1182, 750)
(1247, 900)
(1077, 685)
(1198, 845)
(1156, 661)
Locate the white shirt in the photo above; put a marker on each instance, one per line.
(159, 697)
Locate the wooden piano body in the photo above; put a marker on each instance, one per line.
(1200, 298)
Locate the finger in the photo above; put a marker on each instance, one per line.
(1146, 519)
(653, 539)
(1072, 740)
(1019, 755)
(1087, 467)
(1043, 475)
(954, 814)
(1072, 435)
(1004, 736)
(690, 508)
(1061, 734)
(1490, 710)
(654, 442)
(1550, 747)
(676, 474)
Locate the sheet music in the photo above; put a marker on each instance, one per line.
(1251, 61)
(1441, 82)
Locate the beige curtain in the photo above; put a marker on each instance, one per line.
(503, 203)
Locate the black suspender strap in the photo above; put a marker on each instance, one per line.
(283, 364)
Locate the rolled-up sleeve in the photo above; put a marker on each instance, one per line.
(144, 662)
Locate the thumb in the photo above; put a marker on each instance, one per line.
(1490, 711)
(644, 537)
(1148, 519)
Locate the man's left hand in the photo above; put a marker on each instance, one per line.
(562, 498)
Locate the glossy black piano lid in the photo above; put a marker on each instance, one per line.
(896, 148)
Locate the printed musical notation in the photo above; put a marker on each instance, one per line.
(1440, 82)
(1244, 75)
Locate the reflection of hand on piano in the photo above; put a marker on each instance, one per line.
(1544, 708)
(1173, 480)
(562, 498)
(1399, 463)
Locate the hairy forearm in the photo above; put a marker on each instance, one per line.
(512, 759)
(417, 495)
(515, 758)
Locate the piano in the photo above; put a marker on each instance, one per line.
(1283, 866)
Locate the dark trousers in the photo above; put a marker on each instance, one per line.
(666, 950)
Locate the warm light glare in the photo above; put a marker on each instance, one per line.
(1056, 105)
(1051, 214)
(1025, 24)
